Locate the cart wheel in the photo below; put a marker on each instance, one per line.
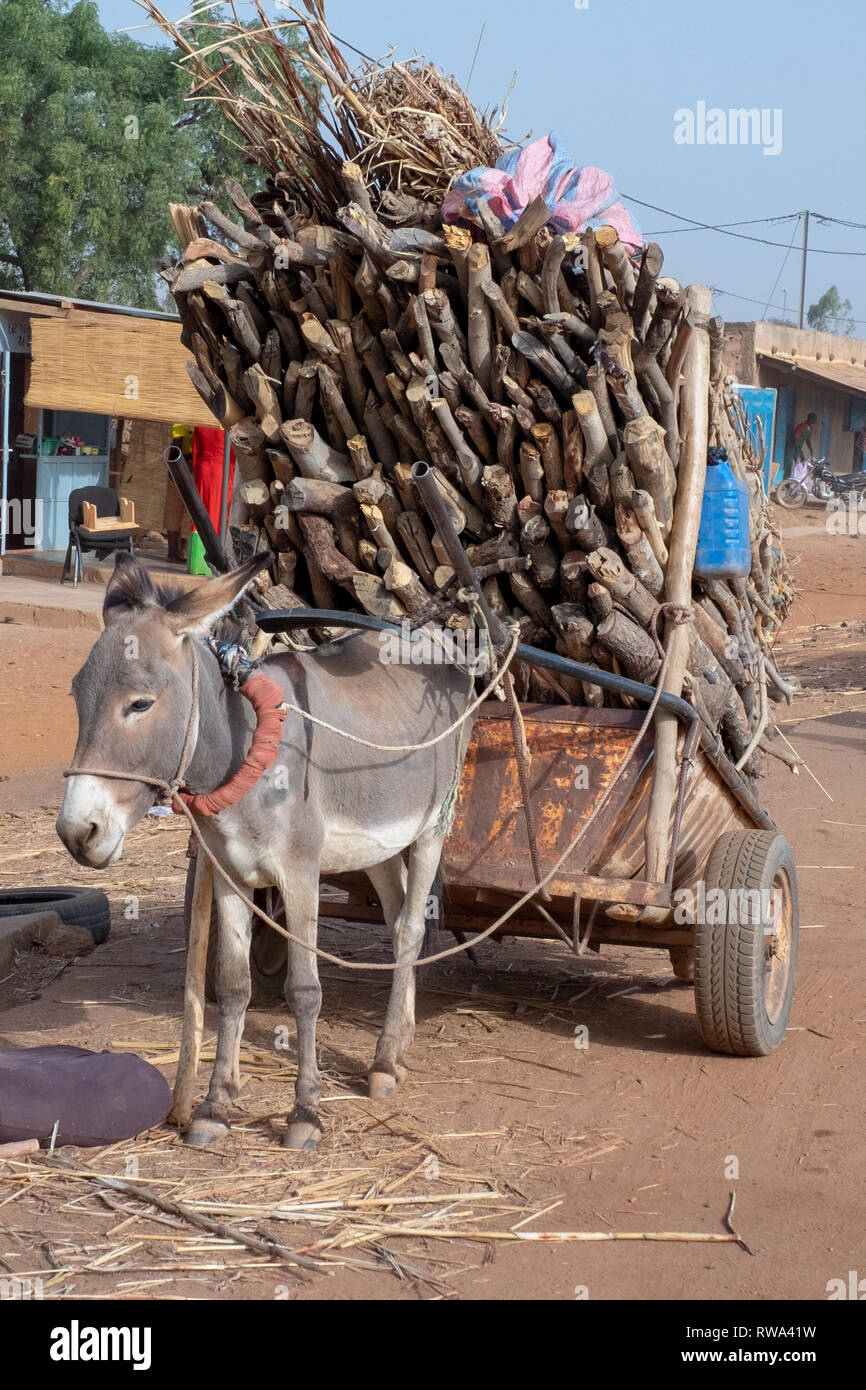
(745, 968)
(268, 959)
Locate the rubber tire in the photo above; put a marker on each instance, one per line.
(791, 494)
(266, 984)
(79, 907)
(729, 958)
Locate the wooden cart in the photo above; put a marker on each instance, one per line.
(727, 911)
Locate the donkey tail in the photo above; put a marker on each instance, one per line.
(434, 915)
(434, 922)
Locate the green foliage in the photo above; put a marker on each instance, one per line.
(831, 314)
(96, 140)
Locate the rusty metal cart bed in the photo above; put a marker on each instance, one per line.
(728, 905)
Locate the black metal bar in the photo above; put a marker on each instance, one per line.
(287, 619)
(284, 619)
(733, 781)
(181, 476)
(281, 619)
(608, 680)
(438, 513)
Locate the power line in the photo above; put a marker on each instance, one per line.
(723, 228)
(475, 56)
(841, 221)
(720, 226)
(781, 268)
(782, 308)
(741, 236)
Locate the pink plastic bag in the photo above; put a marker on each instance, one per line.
(578, 196)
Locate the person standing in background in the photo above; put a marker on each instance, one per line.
(860, 449)
(803, 446)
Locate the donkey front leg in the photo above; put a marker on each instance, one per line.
(210, 1119)
(300, 891)
(407, 930)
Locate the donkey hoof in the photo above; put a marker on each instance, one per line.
(381, 1085)
(204, 1132)
(302, 1134)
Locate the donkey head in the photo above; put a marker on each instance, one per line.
(134, 701)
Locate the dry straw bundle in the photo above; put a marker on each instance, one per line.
(302, 111)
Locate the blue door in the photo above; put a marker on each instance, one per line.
(759, 403)
(786, 405)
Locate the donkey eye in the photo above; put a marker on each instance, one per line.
(138, 707)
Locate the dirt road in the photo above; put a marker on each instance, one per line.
(641, 1131)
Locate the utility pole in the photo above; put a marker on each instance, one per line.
(803, 267)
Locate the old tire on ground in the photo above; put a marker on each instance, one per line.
(744, 968)
(77, 907)
(268, 960)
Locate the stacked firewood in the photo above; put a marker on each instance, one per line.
(539, 374)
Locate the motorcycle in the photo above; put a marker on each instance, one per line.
(813, 478)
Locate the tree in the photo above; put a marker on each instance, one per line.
(96, 140)
(831, 314)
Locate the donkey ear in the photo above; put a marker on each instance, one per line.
(129, 587)
(196, 611)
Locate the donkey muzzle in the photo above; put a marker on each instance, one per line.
(92, 824)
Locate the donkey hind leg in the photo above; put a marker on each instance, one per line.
(234, 918)
(300, 892)
(407, 931)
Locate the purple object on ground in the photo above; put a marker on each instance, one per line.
(93, 1097)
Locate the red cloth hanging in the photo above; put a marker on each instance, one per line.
(207, 468)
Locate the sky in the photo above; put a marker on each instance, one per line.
(624, 83)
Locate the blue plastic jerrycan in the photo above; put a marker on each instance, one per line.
(723, 538)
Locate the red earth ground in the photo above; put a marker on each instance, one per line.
(636, 1133)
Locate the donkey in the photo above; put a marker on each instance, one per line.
(326, 806)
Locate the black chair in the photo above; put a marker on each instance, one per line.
(107, 503)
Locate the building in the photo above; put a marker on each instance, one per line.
(113, 377)
(807, 371)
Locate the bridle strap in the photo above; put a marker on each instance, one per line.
(169, 789)
(189, 739)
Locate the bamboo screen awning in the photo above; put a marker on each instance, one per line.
(133, 368)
